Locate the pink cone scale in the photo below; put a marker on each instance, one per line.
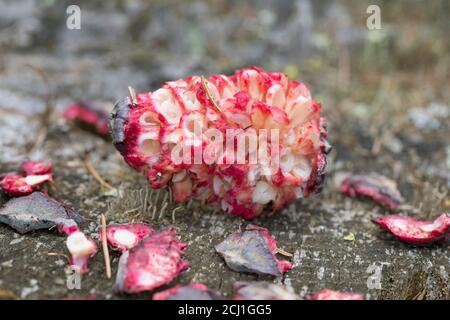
(413, 231)
(87, 117)
(123, 237)
(81, 248)
(147, 128)
(335, 295)
(154, 262)
(36, 167)
(35, 174)
(377, 187)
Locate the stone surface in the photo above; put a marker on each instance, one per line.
(366, 87)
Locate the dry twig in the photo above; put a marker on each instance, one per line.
(208, 94)
(57, 254)
(105, 248)
(284, 253)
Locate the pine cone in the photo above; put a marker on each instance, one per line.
(247, 141)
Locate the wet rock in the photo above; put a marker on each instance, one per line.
(415, 231)
(126, 236)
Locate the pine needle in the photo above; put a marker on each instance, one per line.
(208, 94)
(173, 213)
(95, 174)
(132, 94)
(105, 248)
